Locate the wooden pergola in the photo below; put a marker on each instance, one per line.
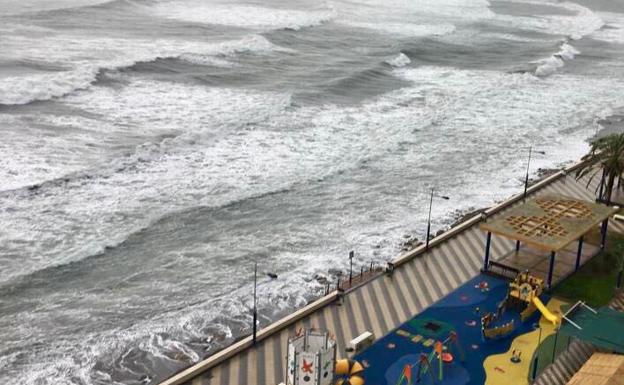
(549, 223)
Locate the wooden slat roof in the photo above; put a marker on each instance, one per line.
(549, 222)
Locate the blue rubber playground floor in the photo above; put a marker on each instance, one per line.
(386, 359)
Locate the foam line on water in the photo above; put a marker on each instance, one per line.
(405, 29)
(583, 22)
(443, 108)
(613, 30)
(81, 67)
(245, 16)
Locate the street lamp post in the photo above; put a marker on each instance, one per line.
(351, 255)
(255, 308)
(526, 182)
(526, 178)
(429, 218)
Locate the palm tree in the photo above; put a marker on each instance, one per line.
(606, 154)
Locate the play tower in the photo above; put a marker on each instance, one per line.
(311, 358)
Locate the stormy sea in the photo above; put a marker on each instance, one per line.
(152, 150)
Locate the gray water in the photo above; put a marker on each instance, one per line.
(152, 150)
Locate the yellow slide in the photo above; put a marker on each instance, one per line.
(545, 312)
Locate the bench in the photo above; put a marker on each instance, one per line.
(362, 341)
(501, 270)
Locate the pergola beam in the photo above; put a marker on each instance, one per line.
(550, 222)
(551, 268)
(486, 259)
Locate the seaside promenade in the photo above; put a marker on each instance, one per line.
(419, 279)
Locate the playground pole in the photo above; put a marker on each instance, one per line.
(536, 359)
(534, 372)
(555, 346)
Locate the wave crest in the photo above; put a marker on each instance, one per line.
(81, 74)
(550, 65)
(401, 60)
(247, 16)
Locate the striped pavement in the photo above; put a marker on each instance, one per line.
(387, 301)
(571, 360)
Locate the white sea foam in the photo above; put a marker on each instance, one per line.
(401, 60)
(475, 124)
(405, 29)
(246, 16)
(405, 18)
(613, 30)
(550, 65)
(207, 60)
(463, 9)
(189, 113)
(583, 21)
(12, 7)
(447, 9)
(235, 166)
(82, 68)
(456, 129)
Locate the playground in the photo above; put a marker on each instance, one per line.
(446, 343)
(501, 327)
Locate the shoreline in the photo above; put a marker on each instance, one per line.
(612, 124)
(274, 334)
(407, 245)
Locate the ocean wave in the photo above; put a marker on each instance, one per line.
(582, 21)
(245, 16)
(460, 9)
(35, 6)
(550, 65)
(18, 90)
(401, 60)
(192, 116)
(405, 29)
(40, 86)
(441, 110)
(613, 30)
(207, 60)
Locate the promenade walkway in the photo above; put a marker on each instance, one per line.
(381, 304)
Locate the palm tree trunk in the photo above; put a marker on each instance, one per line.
(601, 192)
(609, 191)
